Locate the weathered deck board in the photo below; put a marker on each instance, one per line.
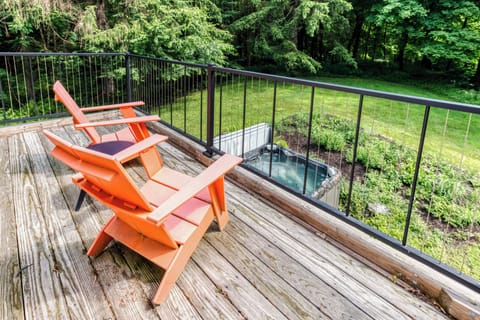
(354, 274)
(43, 296)
(10, 284)
(362, 274)
(266, 281)
(262, 266)
(72, 267)
(127, 296)
(251, 303)
(326, 299)
(205, 295)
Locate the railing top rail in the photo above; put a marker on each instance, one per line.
(365, 92)
(58, 54)
(188, 64)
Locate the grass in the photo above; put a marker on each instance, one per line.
(447, 202)
(452, 137)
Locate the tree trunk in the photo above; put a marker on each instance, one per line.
(401, 50)
(102, 21)
(476, 78)
(355, 39)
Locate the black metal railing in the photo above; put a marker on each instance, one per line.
(401, 168)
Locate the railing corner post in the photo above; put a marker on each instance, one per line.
(128, 76)
(210, 108)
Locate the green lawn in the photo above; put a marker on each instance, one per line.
(443, 192)
(452, 135)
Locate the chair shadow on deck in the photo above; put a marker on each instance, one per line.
(164, 219)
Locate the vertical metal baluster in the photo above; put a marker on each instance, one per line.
(10, 95)
(25, 85)
(46, 81)
(32, 86)
(354, 159)
(80, 82)
(184, 84)
(220, 115)
(272, 133)
(85, 86)
(170, 90)
(415, 175)
(201, 103)
(91, 74)
(244, 114)
(307, 158)
(40, 86)
(2, 101)
(210, 109)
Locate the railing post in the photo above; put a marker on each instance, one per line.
(415, 175)
(354, 158)
(128, 76)
(210, 108)
(4, 112)
(309, 138)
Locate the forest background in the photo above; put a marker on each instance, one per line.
(397, 39)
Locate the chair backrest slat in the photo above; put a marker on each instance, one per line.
(62, 95)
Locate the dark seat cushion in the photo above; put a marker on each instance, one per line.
(110, 147)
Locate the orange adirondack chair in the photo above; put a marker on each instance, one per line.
(111, 143)
(136, 129)
(165, 219)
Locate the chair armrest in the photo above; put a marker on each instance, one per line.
(215, 171)
(117, 122)
(114, 106)
(134, 150)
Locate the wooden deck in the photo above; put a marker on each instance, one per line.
(263, 266)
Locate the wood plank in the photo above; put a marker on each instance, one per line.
(277, 290)
(417, 274)
(324, 297)
(125, 296)
(363, 274)
(72, 265)
(204, 295)
(197, 287)
(42, 291)
(244, 296)
(177, 306)
(10, 285)
(361, 296)
(346, 284)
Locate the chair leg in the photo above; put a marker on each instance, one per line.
(180, 261)
(80, 199)
(101, 241)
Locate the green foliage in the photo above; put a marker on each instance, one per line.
(443, 191)
(275, 32)
(166, 29)
(37, 25)
(453, 33)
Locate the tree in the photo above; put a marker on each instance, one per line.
(452, 34)
(37, 25)
(165, 29)
(403, 19)
(294, 35)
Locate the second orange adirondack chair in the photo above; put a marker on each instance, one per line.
(111, 143)
(165, 219)
(136, 129)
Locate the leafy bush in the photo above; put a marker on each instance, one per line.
(443, 191)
